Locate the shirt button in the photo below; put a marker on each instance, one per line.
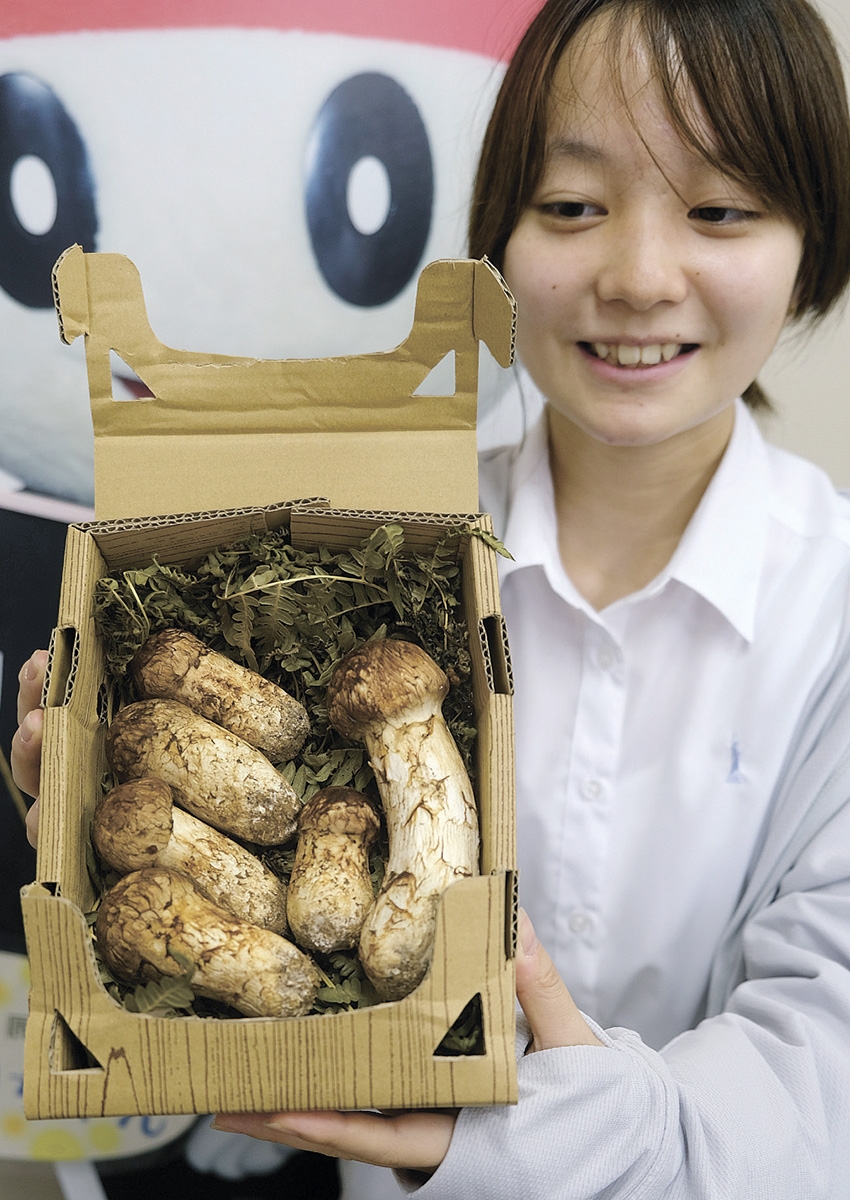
(606, 657)
(580, 922)
(591, 789)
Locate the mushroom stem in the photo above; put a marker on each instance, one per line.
(214, 774)
(330, 888)
(389, 695)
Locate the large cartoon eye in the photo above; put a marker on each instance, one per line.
(370, 189)
(46, 188)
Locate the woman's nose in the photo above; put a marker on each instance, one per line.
(641, 264)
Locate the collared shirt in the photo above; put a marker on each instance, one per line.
(650, 735)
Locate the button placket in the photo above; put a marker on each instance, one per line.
(595, 752)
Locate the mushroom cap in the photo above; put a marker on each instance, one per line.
(184, 653)
(340, 810)
(132, 824)
(380, 682)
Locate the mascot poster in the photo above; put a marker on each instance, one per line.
(279, 171)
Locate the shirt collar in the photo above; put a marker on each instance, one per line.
(720, 555)
(531, 532)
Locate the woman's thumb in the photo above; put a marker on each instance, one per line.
(549, 1007)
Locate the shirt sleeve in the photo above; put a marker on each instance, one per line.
(754, 1102)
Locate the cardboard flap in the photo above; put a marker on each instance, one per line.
(222, 432)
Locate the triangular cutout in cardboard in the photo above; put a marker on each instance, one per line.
(466, 1035)
(67, 1052)
(440, 380)
(126, 384)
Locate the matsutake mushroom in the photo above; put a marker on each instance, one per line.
(389, 695)
(213, 773)
(136, 825)
(154, 918)
(330, 888)
(175, 665)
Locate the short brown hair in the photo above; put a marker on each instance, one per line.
(768, 79)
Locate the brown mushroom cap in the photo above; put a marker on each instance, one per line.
(340, 810)
(149, 664)
(380, 681)
(132, 824)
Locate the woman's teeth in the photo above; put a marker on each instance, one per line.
(635, 356)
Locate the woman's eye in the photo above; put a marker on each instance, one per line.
(719, 215)
(571, 209)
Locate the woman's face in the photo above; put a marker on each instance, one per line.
(650, 288)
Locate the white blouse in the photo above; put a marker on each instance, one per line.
(650, 736)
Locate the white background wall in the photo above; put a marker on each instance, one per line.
(808, 378)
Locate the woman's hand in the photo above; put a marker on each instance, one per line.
(26, 744)
(419, 1140)
(551, 1011)
(415, 1141)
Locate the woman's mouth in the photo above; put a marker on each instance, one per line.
(620, 354)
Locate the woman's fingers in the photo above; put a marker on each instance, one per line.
(32, 825)
(26, 744)
(30, 683)
(26, 753)
(551, 1011)
(410, 1140)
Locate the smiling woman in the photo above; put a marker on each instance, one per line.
(658, 244)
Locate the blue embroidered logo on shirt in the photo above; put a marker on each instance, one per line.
(735, 775)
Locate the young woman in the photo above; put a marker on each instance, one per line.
(665, 184)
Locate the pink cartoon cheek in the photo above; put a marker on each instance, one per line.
(369, 189)
(50, 201)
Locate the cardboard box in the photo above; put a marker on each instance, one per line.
(260, 434)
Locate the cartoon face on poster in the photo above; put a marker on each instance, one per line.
(279, 171)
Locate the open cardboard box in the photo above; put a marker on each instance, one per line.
(258, 434)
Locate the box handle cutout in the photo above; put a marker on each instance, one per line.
(67, 1052)
(126, 382)
(493, 637)
(61, 667)
(466, 1035)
